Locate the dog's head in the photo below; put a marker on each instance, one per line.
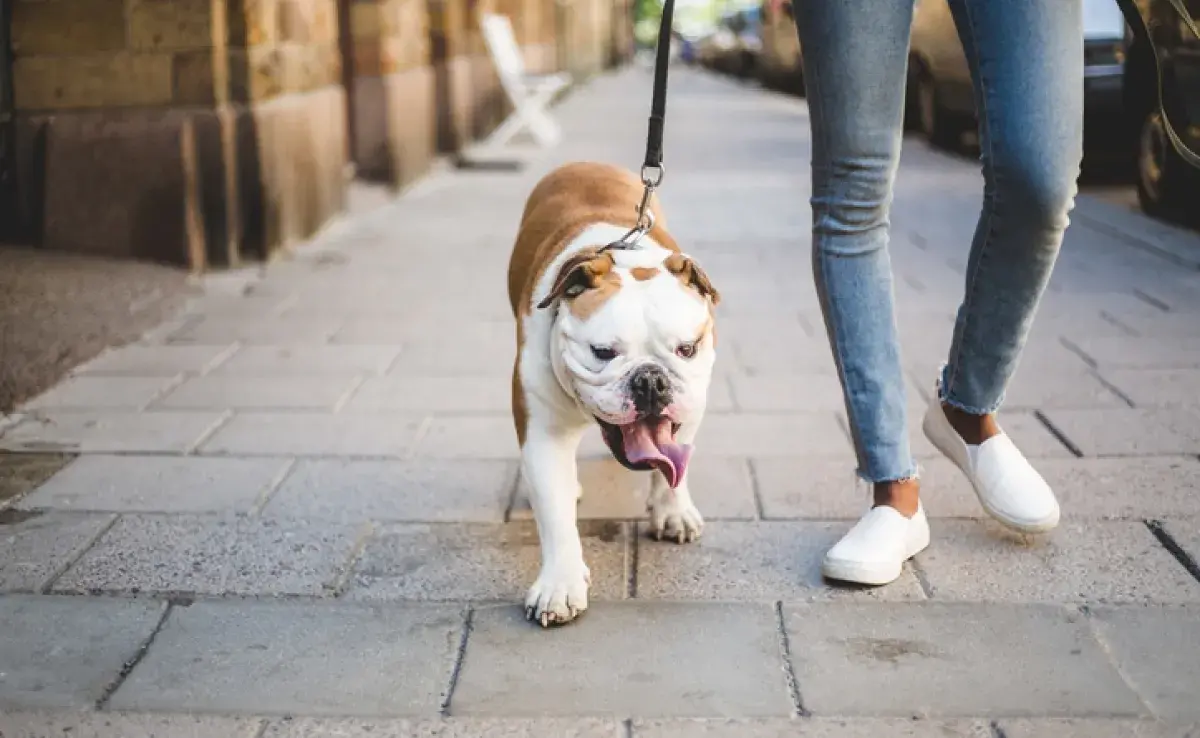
(633, 342)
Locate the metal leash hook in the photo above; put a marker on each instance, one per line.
(652, 177)
(652, 170)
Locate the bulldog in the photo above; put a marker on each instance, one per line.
(620, 337)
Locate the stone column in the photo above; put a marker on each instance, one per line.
(195, 132)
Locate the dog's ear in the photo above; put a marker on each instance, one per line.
(690, 273)
(579, 273)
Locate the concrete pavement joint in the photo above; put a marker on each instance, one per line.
(418, 437)
(220, 359)
(1168, 542)
(1135, 242)
(922, 578)
(1117, 323)
(342, 582)
(755, 490)
(1114, 389)
(272, 487)
(1151, 300)
(76, 555)
(348, 395)
(131, 664)
(1075, 349)
(789, 673)
(168, 386)
(459, 657)
(1054, 431)
(1113, 661)
(211, 431)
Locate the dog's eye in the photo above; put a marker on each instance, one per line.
(604, 353)
(686, 350)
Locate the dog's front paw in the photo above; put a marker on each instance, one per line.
(675, 518)
(559, 595)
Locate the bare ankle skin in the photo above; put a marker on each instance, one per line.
(902, 495)
(973, 429)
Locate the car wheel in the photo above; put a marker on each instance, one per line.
(942, 127)
(1164, 181)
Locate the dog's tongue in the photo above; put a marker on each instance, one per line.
(651, 442)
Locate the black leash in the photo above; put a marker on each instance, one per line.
(652, 166)
(1138, 25)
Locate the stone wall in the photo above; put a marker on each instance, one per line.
(209, 132)
(186, 131)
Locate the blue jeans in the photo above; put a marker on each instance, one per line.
(1026, 63)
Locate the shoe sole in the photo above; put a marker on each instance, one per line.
(1042, 526)
(873, 576)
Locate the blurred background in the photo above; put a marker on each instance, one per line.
(1127, 154)
(145, 142)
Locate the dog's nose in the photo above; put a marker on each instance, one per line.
(651, 389)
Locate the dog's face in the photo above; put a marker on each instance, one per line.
(633, 342)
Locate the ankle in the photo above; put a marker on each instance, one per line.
(903, 496)
(973, 429)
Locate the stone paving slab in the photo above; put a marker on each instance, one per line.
(823, 489)
(658, 660)
(1140, 352)
(1157, 649)
(489, 356)
(775, 393)
(258, 393)
(1131, 432)
(299, 659)
(156, 360)
(721, 488)
(1186, 532)
(315, 434)
(35, 547)
(168, 484)
(952, 660)
(1094, 728)
(111, 432)
(124, 725)
(480, 562)
(472, 395)
(451, 728)
(1158, 387)
(761, 561)
(214, 555)
(811, 728)
(345, 490)
(276, 361)
(469, 437)
(66, 652)
(1041, 390)
(1092, 561)
(103, 393)
(258, 331)
(759, 434)
(1133, 488)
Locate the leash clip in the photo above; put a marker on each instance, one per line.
(652, 177)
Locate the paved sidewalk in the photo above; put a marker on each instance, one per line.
(295, 510)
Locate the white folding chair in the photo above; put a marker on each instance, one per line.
(530, 95)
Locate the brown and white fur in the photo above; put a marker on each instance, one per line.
(622, 338)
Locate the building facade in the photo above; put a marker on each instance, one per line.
(208, 133)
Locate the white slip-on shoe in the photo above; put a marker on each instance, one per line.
(1007, 485)
(875, 549)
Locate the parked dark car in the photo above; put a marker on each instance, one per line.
(941, 104)
(734, 46)
(1167, 185)
(780, 65)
